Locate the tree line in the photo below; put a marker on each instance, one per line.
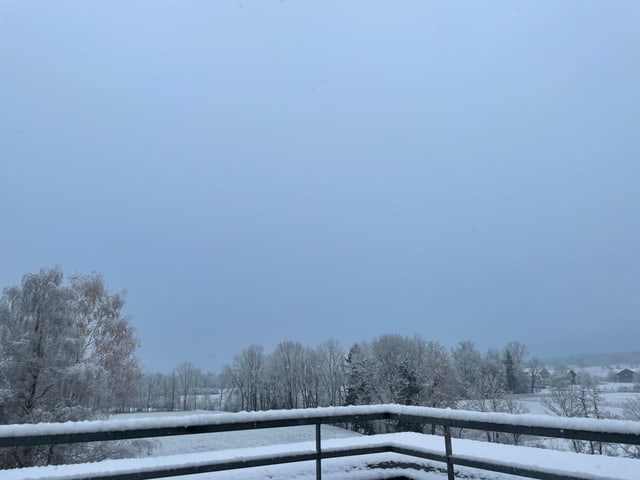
(411, 370)
(388, 369)
(185, 388)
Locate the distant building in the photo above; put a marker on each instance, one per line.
(537, 378)
(571, 376)
(625, 376)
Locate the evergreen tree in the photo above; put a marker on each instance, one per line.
(510, 375)
(358, 391)
(357, 387)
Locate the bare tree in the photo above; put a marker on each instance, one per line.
(534, 366)
(245, 376)
(332, 372)
(631, 408)
(228, 392)
(310, 378)
(393, 376)
(582, 399)
(287, 369)
(466, 361)
(631, 411)
(440, 386)
(186, 373)
(488, 392)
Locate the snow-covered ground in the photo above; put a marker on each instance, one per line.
(206, 442)
(265, 443)
(560, 463)
(614, 396)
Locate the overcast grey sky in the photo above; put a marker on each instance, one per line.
(255, 171)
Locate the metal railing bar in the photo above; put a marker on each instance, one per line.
(473, 462)
(145, 432)
(222, 465)
(571, 434)
(123, 433)
(356, 451)
(568, 433)
(194, 469)
(318, 451)
(448, 452)
(74, 433)
(424, 454)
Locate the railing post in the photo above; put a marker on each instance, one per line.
(448, 452)
(318, 453)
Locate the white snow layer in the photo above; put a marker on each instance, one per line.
(590, 424)
(562, 463)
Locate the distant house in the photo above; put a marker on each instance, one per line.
(625, 376)
(537, 378)
(571, 376)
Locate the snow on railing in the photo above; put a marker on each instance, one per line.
(609, 431)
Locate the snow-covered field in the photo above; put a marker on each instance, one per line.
(613, 396)
(612, 401)
(206, 442)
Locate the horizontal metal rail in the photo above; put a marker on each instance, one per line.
(9, 440)
(194, 469)
(567, 433)
(28, 435)
(220, 466)
(100, 430)
(492, 466)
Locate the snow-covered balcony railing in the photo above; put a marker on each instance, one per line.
(412, 445)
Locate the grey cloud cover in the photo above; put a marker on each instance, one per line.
(258, 171)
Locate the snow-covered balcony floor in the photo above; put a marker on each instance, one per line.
(563, 463)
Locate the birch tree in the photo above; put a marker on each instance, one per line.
(67, 353)
(332, 372)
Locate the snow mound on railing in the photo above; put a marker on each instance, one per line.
(595, 425)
